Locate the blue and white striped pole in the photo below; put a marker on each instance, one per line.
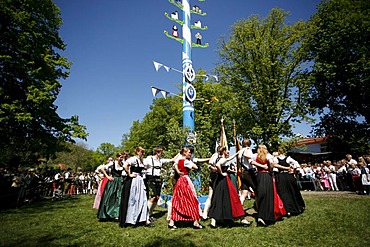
(188, 72)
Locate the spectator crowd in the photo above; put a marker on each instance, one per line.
(347, 174)
(19, 186)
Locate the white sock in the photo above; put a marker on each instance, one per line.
(169, 210)
(151, 208)
(206, 208)
(242, 200)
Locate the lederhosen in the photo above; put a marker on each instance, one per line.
(154, 182)
(248, 177)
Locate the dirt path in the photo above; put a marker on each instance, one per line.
(333, 193)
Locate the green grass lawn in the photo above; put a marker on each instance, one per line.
(330, 219)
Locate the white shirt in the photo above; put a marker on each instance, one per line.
(180, 157)
(213, 159)
(134, 161)
(154, 165)
(269, 157)
(188, 163)
(57, 176)
(67, 175)
(352, 161)
(292, 162)
(246, 162)
(342, 169)
(332, 168)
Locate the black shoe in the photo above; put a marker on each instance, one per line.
(198, 226)
(213, 226)
(172, 227)
(246, 223)
(261, 222)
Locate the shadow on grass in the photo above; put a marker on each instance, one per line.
(52, 240)
(178, 242)
(159, 214)
(42, 205)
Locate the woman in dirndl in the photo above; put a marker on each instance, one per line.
(225, 202)
(134, 202)
(111, 199)
(270, 207)
(185, 204)
(286, 184)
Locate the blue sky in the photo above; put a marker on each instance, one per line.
(112, 44)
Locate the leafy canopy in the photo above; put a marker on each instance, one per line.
(263, 61)
(340, 50)
(30, 70)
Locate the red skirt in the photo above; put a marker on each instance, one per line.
(279, 209)
(185, 204)
(236, 207)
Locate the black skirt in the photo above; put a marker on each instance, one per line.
(289, 193)
(265, 197)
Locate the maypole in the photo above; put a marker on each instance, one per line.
(188, 74)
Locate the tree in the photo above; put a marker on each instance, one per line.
(77, 155)
(340, 50)
(152, 130)
(30, 70)
(107, 150)
(263, 62)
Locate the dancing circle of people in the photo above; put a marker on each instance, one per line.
(130, 188)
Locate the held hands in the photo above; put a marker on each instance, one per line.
(224, 174)
(181, 174)
(110, 178)
(133, 175)
(213, 169)
(264, 167)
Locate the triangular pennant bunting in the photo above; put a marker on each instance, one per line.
(166, 68)
(164, 93)
(157, 66)
(154, 91)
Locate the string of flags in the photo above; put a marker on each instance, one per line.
(164, 93)
(157, 66)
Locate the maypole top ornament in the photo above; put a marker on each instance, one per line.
(174, 16)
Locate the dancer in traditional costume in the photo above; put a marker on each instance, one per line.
(111, 199)
(212, 177)
(225, 203)
(134, 203)
(270, 208)
(286, 184)
(185, 204)
(154, 164)
(103, 172)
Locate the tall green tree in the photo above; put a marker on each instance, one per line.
(75, 155)
(107, 150)
(152, 130)
(30, 70)
(263, 62)
(340, 49)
